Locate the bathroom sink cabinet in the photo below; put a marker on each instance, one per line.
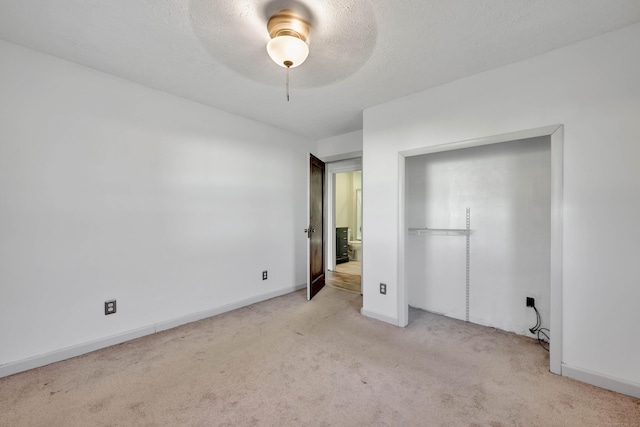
(342, 252)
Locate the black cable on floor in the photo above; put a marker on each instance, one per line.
(544, 343)
(543, 337)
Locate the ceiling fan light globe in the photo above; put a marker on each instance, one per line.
(287, 48)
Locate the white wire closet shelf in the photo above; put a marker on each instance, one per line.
(440, 231)
(454, 232)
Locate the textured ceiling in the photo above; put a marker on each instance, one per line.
(363, 53)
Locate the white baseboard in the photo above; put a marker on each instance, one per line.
(73, 351)
(88, 347)
(601, 380)
(194, 317)
(380, 317)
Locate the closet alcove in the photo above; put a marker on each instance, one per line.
(479, 233)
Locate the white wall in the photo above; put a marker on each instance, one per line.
(346, 185)
(507, 188)
(344, 199)
(340, 147)
(112, 190)
(593, 89)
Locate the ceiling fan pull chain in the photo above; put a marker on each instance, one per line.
(288, 64)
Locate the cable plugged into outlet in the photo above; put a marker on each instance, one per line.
(264, 275)
(543, 333)
(109, 307)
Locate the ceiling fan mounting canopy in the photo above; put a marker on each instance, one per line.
(287, 23)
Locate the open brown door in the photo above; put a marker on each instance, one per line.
(315, 231)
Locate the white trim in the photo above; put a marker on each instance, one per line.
(555, 254)
(73, 351)
(351, 165)
(331, 218)
(477, 142)
(88, 347)
(308, 225)
(403, 298)
(194, 317)
(556, 133)
(380, 317)
(601, 380)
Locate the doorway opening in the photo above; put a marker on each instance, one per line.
(460, 227)
(344, 224)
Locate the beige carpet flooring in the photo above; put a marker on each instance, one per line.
(289, 362)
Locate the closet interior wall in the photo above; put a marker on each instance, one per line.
(507, 187)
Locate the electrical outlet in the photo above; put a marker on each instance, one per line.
(531, 302)
(109, 307)
(264, 275)
(383, 288)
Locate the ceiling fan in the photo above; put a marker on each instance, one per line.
(288, 45)
(333, 38)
